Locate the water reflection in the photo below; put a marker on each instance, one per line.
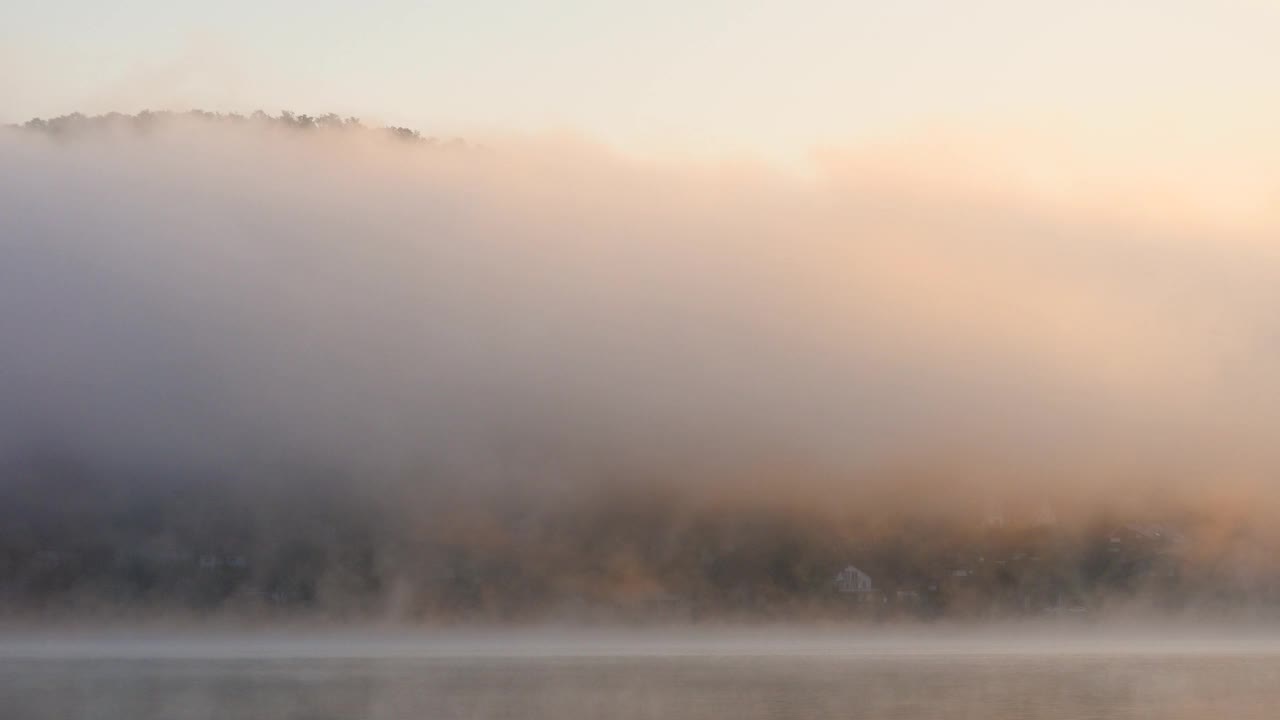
(1024, 687)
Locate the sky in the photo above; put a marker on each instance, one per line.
(770, 80)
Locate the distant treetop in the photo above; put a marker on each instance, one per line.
(78, 123)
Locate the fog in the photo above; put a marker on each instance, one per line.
(559, 641)
(564, 675)
(237, 305)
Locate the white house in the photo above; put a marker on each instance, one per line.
(852, 580)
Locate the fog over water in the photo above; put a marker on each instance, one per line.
(206, 292)
(693, 361)
(1205, 640)
(563, 674)
(264, 312)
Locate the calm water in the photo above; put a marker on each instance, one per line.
(1021, 686)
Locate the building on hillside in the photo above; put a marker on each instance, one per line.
(852, 580)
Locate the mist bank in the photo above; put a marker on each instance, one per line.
(804, 640)
(275, 363)
(196, 552)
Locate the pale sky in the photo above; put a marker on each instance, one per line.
(771, 78)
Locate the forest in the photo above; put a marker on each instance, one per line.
(72, 542)
(70, 125)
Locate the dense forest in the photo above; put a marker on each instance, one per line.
(67, 126)
(71, 541)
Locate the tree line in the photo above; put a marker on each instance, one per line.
(73, 124)
(299, 541)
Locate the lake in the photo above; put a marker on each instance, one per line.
(736, 680)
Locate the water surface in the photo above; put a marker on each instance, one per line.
(717, 681)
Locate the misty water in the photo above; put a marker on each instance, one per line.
(709, 680)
